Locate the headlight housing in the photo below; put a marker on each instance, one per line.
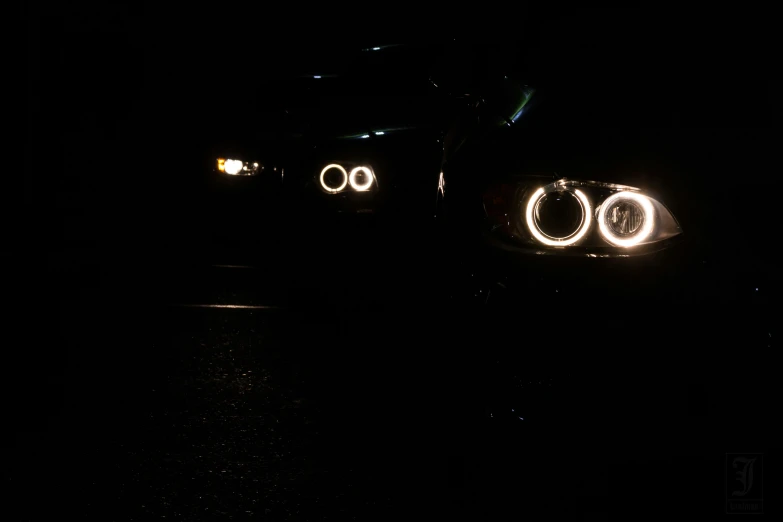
(338, 177)
(569, 217)
(237, 167)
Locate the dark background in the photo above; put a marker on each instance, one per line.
(138, 93)
(122, 101)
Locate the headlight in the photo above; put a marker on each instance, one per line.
(626, 219)
(235, 167)
(558, 218)
(578, 217)
(361, 179)
(334, 178)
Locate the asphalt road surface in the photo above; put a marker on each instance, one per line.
(185, 391)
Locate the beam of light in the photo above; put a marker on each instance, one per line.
(345, 178)
(365, 135)
(316, 77)
(570, 240)
(646, 228)
(227, 306)
(367, 174)
(380, 133)
(376, 48)
(441, 184)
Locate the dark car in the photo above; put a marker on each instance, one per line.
(598, 223)
(609, 286)
(341, 132)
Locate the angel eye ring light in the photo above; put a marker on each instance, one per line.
(334, 189)
(368, 175)
(537, 233)
(644, 230)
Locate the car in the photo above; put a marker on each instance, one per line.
(348, 133)
(596, 246)
(610, 291)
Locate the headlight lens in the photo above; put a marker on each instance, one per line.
(626, 219)
(557, 217)
(578, 217)
(361, 179)
(235, 167)
(334, 178)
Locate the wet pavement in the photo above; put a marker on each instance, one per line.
(188, 391)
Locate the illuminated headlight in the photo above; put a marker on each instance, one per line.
(578, 217)
(558, 217)
(235, 167)
(361, 179)
(335, 178)
(626, 219)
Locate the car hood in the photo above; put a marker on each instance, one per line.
(320, 114)
(349, 93)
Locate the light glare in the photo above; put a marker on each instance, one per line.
(232, 166)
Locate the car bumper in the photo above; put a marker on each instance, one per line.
(553, 338)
